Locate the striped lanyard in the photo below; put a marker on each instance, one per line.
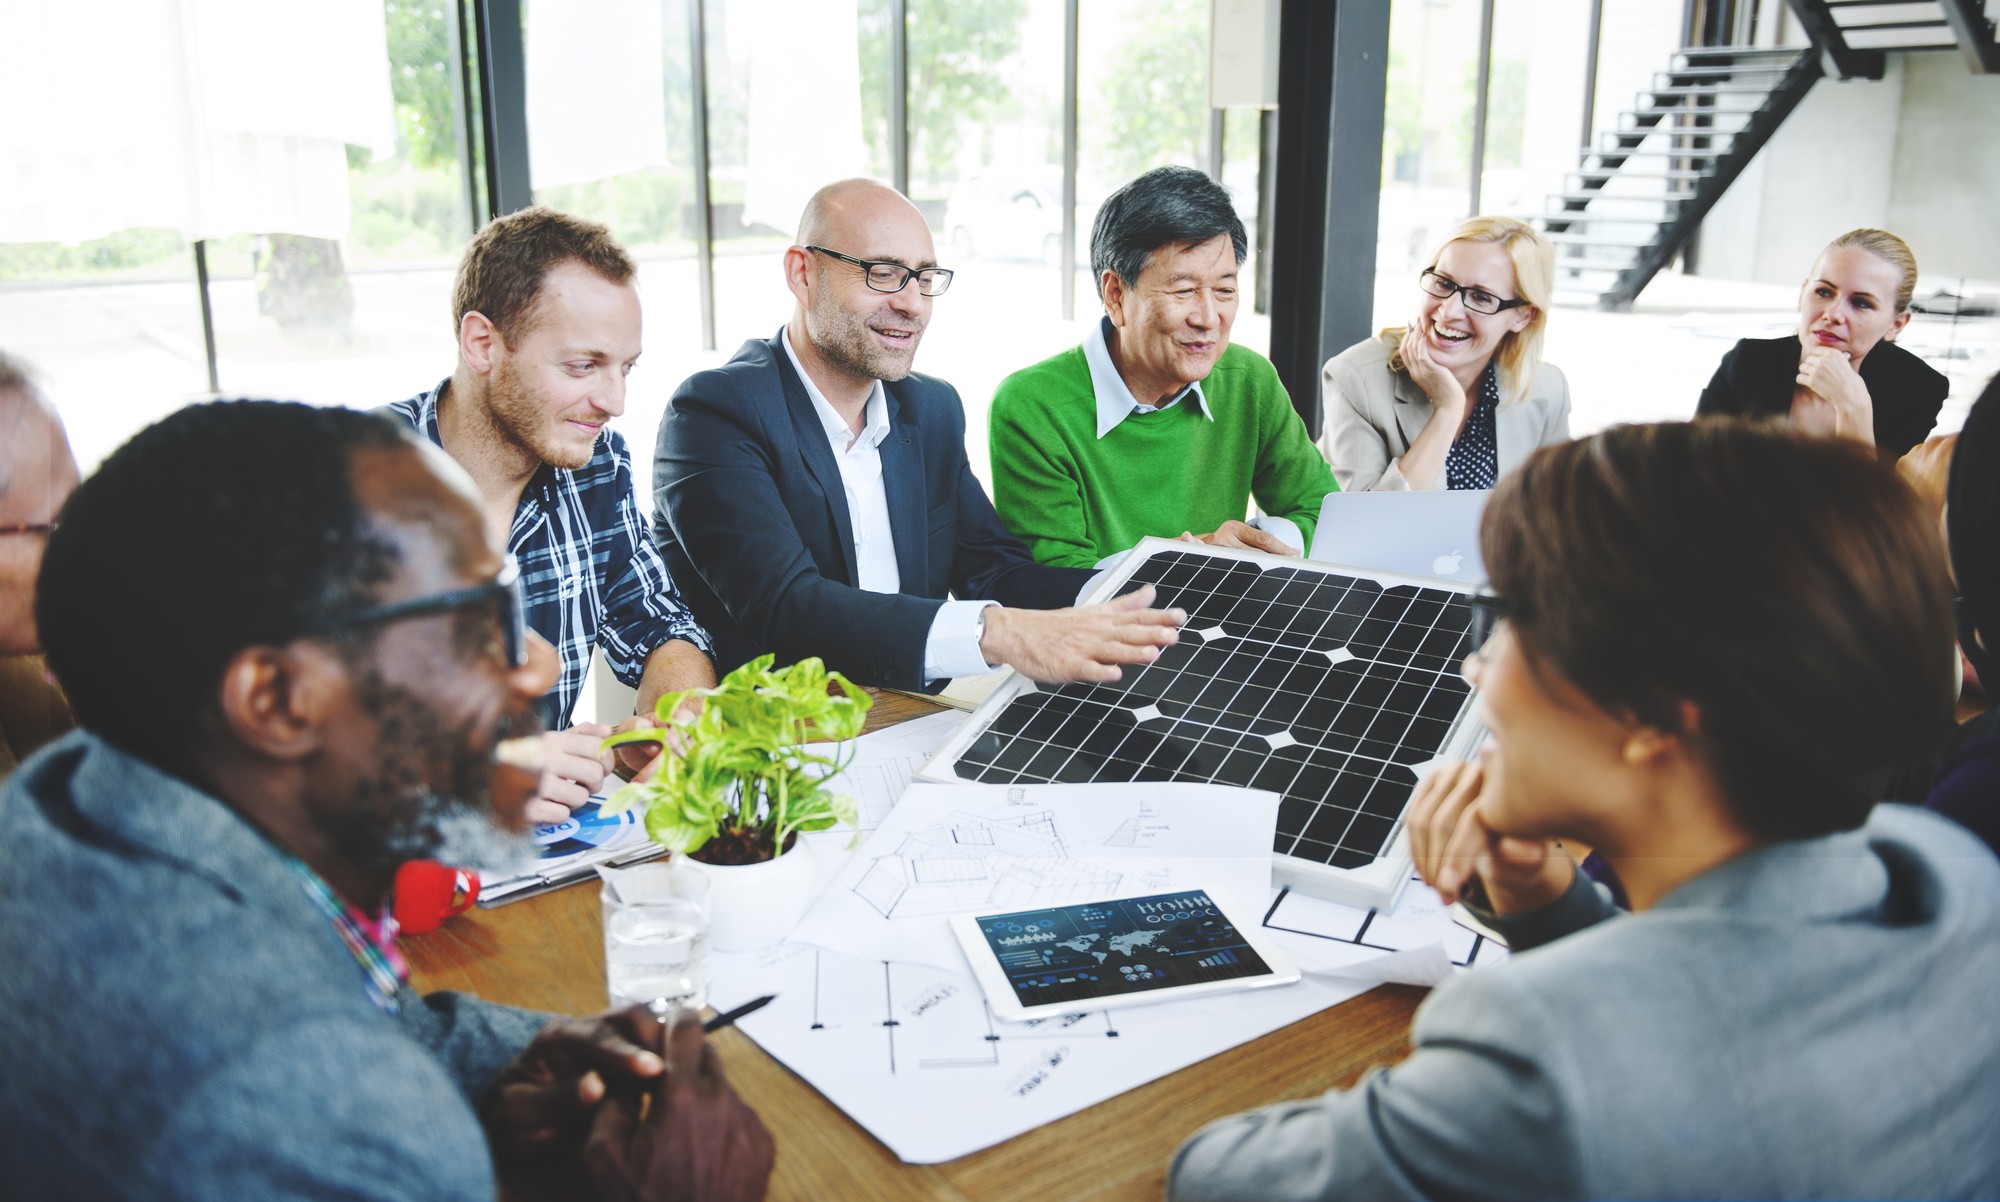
(371, 943)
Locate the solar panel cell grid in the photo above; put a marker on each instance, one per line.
(1318, 686)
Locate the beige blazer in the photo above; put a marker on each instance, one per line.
(1372, 415)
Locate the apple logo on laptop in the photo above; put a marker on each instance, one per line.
(1447, 565)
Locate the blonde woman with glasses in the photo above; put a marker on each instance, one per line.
(1460, 395)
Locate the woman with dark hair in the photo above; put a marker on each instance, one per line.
(1800, 1004)
(1842, 373)
(1966, 785)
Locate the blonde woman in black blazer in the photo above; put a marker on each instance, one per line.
(1842, 374)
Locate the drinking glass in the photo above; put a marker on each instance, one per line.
(656, 937)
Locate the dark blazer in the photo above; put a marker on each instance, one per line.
(1757, 376)
(752, 520)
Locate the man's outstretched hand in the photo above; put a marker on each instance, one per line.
(686, 1137)
(1085, 642)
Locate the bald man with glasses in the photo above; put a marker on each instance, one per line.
(813, 497)
(37, 474)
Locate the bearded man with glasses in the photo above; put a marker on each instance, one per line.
(296, 654)
(813, 495)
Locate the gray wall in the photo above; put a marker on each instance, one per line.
(1917, 153)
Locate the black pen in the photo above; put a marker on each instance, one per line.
(728, 1018)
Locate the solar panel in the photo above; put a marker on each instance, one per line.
(1324, 684)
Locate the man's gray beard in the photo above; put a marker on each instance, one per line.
(844, 340)
(863, 363)
(460, 834)
(467, 838)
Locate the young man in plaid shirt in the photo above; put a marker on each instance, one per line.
(548, 327)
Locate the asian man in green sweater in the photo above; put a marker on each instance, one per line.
(1156, 425)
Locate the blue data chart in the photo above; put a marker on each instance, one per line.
(1090, 952)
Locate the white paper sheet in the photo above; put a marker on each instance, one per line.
(1417, 943)
(883, 765)
(911, 1052)
(950, 849)
(888, 1023)
(886, 761)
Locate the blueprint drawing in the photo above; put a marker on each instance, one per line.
(912, 1053)
(949, 849)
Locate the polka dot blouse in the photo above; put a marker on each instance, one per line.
(1474, 460)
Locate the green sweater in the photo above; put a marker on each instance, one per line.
(1075, 498)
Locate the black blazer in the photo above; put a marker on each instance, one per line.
(1757, 376)
(752, 520)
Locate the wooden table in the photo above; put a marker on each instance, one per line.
(547, 953)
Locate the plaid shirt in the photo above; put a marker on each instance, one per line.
(371, 941)
(589, 569)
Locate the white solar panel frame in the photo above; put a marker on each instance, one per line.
(1376, 884)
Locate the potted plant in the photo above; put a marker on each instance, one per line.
(744, 785)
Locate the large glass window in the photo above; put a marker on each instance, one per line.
(362, 318)
(1242, 139)
(1142, 82)
(610, 109)
(332, 193)
(986, 86)
(111, 325)
(785, 117)
(327, 186)
(1432, 94)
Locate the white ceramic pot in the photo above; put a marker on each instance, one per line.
(752, 906)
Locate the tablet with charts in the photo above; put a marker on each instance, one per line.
(1099, 954)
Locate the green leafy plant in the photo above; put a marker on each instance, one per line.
(744, 783)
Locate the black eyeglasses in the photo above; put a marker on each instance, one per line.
(1489, 609)
(505, 586)
(42, 528)
(894, 277)
(1479, 300)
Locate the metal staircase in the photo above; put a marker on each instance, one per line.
(1638, 196)
(1857, 34)
(1642, 191)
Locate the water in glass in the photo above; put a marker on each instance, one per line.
(657, 955)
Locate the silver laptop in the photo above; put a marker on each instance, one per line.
(1414, 533)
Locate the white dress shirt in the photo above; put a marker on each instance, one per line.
(952, 646)
(1115, 401)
